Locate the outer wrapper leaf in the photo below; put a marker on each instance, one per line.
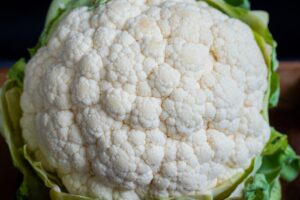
(291, 166)
(32, 187)
(239, 3)
(276, 191)
(274, 90)
(278, 160)
(17, 72)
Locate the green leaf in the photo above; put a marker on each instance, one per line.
(12, 97)
(50, 180)
(266, 50)
(278, 160)
(262, 15)
(292, 164)
(275, 62)
(32, 187)
(276, 191)
(239, 3)
(257, 188)
(274, 90)
(23, 192)
(276, 142)
(16, 72)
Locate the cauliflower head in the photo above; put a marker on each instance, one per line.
(159, 97)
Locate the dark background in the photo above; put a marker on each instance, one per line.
(21, 22)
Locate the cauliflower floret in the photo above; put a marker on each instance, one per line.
(159, 97)
(164, 80)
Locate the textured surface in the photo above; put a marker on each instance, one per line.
(157, 97)
(285, 118)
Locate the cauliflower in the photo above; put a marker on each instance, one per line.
(160, 106)
(135, 99)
